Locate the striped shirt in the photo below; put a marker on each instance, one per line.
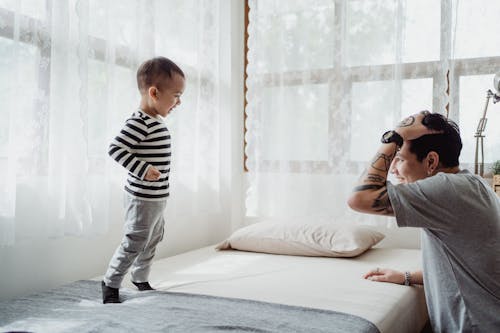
(143, 142)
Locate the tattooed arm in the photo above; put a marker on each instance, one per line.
(370, 196)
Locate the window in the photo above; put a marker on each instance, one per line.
(363, 65)
(67, 86)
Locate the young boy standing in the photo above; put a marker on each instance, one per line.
(143, 148)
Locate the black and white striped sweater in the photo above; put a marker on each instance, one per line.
(143, 142)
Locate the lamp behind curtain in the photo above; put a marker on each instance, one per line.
(325, 79)
(67, 84)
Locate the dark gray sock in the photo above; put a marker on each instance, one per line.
(143, 286)
(110, 295)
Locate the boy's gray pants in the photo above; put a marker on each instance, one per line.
(144, 227)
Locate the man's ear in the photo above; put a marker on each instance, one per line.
(432, 162)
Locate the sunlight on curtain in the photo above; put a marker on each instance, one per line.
(195, 127)
(67, 85)
(327, 77)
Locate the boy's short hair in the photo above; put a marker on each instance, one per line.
(447, 144)
(153, 71)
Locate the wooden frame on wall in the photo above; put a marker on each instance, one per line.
(245, 75)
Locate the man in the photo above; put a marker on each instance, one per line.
(458, 213)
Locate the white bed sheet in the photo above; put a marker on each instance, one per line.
(324, 283)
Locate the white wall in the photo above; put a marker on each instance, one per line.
(30, 266)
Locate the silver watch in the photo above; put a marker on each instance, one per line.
(407, 278)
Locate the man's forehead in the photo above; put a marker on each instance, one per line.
(403, 151)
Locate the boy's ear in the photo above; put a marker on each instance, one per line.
(153, 92)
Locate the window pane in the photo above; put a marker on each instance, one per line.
(370, 32)
(182, 44)
(97, 92)
(372, 29)
(417, 96)
(18, 91)
(373, 111)
(123, 19)
(372, 115)
(295, 37)
(478, 24)
(31, 8)
(472, 100)
(114, 86)
(97, 21)
(295, 123)
(422, 30)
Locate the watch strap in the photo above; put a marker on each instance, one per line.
(392, 136)
(407, 278)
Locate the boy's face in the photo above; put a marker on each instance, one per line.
(169, 95)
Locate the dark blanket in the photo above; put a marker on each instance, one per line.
(77, 307)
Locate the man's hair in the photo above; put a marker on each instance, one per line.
(447, 144)
(153, 71)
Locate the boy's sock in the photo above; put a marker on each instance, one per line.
(109, 295)
(142, 286)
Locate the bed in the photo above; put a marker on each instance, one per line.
(334, 284)
(237, 291)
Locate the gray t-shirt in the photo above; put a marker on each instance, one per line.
(460, 219)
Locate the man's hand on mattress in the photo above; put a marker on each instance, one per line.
(385, 275)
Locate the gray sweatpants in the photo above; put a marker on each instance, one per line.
(144, 227)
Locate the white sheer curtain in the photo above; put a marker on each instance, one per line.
(327, 77)
(67, 84)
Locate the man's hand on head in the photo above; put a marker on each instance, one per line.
(412, 127)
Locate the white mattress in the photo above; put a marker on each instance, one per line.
(324, 283)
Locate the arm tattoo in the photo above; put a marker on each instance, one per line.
(386, 159)
(382, 204)
(373, 177)
(367, 187)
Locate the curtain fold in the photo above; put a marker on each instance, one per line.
(67, 86)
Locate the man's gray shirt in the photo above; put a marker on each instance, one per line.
(460, 219)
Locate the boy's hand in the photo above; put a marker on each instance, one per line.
(412, 128)
(152, 174)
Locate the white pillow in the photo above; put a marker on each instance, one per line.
(324, 240)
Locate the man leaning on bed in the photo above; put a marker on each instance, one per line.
(458, 213)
